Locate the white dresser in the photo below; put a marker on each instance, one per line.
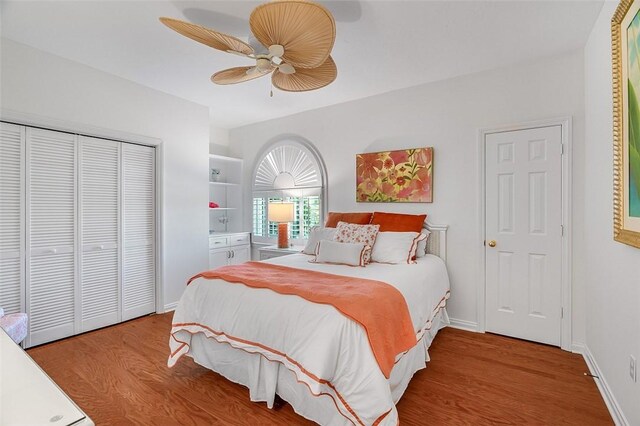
(226, 248)
(28, 396)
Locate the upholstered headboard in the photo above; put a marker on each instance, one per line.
(437, 242)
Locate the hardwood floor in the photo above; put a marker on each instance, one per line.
(119, 376)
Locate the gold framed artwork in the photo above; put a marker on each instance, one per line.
(625, 33)
(402, 176)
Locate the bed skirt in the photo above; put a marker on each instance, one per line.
(266, 378)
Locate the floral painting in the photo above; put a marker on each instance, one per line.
(404, 176)
(625, 57)
(633, 81)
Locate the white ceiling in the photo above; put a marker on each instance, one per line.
(380, 46)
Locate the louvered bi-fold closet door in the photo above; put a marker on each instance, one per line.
(138, 205)
(12, 218)
(51, 224)
(99, 233)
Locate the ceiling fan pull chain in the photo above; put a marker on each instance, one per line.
(271, 93)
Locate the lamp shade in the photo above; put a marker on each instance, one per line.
(280, 212)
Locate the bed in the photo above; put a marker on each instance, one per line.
(312, 356)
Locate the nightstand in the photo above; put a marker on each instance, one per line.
(269, 252)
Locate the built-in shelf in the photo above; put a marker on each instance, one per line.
(225, 189)
(224, 158)
(223, 184)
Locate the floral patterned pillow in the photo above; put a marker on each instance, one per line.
(352, 233)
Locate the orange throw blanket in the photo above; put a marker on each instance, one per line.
(379, 307)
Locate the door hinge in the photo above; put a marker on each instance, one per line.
(562, 230)
(561, 149)
(561, 312)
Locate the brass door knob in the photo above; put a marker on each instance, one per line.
(492, 243)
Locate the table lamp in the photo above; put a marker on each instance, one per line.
(282, 213)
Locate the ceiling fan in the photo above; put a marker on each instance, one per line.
(292, 40)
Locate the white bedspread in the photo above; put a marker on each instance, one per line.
(327, 351)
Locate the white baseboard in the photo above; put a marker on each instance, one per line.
(578, 348)
(463, 324)
(612, 404)
(170, 307)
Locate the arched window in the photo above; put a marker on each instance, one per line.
(289, 171)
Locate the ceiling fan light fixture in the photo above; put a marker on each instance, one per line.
(263, 64)
(276, 50)
(286, 68)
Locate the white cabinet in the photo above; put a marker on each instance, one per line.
(229, 249)
(77, 230)
(240, 255)
(228, 245)
(218, 258)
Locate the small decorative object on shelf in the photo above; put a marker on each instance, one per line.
(214, 175)
(213, 205)
(223, 220)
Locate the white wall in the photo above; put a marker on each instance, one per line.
(612, 272)
(446, 115)
(218, 137)
(38, 83)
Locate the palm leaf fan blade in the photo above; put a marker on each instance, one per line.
(306, 79)
(238, 75)
(209, 37)
(306, 30)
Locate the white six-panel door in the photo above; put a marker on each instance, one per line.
(99, 291)
(12, 217)
(51, 232)
(524, 234)
(138, 272)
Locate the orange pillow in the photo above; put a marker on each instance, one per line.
(357, 218)
(396, 222)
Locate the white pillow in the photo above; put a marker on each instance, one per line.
(396, 247)
(354, 233)
(352, 254)
(422, 244)
(317, 234)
